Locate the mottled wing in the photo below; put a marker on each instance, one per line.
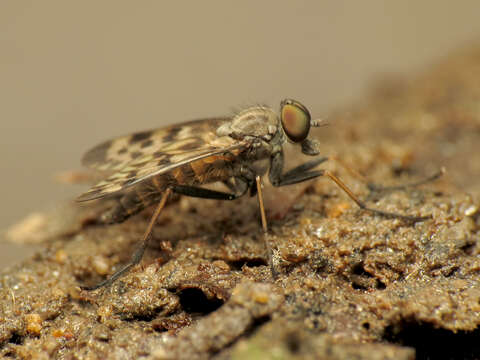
(193, 141)
(113, 155)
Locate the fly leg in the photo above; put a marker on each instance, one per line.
(177, 189)
(138, 254)
(375, 188)
(258, 189)
(303, 173)
(250, 180)
(241, 186)
(245, 179)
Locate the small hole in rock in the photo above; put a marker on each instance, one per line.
(358, 286)
(293, 343)
(16, 339)
(432, 343)
(239, 264)
(193, 300)
(469, 248)
(358, 269)
(257, 323)
(381, 285)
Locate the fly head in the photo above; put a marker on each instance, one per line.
(296, 123)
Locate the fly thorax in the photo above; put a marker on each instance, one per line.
(259, 149)
(258, 122)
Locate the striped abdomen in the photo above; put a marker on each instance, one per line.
(148, 192)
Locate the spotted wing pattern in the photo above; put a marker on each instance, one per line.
(115, 154)
(133, 158)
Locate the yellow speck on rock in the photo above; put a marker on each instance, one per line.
(33, 324)
(260, 297)
(61, 256)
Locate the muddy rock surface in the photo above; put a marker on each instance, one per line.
(339, 283)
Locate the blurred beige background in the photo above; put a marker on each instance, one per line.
(75, 73)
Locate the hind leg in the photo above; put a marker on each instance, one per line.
(138, 254)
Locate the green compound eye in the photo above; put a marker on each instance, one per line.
(295, 120)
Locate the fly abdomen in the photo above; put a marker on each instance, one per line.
(211, 169)
(139, 197)
(149, 192)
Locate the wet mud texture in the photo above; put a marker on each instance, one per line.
(348, 284)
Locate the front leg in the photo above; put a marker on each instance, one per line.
(296, 175)
(301, 173)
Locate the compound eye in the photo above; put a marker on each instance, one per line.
(295, 120)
